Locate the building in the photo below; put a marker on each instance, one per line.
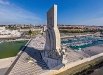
(8, 33)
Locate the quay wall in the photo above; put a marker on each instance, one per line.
(77, 66)
(17, 40)
(62, 37)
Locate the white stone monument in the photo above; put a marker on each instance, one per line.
(53, 41)
(52, 55)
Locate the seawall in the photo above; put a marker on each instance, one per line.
(75, 67)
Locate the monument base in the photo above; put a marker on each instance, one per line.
(51, 62)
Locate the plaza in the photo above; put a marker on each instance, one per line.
(31, 62)
(36, 65)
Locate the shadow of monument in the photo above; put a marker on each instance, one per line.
(36, 55)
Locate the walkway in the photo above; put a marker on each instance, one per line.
(30, 62)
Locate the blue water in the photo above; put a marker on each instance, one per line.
(78, 43)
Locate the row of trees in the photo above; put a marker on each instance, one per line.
(79, 31)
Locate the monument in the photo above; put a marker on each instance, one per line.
(53, 35)
(52, 54)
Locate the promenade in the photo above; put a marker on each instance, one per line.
(5, 64)
(30, 62)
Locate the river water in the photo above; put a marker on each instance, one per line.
(98, 71)
(94, 40)
(82, 42)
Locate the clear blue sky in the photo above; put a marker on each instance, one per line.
(89, 12)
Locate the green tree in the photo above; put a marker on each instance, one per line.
(30, 33)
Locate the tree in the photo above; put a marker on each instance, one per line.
(30, 33)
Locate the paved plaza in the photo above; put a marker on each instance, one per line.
(94, 50)
(31, 62)
(3, 70)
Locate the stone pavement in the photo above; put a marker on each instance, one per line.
(30, 62)
(3, 70)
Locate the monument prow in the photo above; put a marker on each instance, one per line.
(52, 54)
(53, 35)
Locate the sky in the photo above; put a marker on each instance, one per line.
(74, 12)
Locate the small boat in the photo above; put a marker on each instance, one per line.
(80, 49)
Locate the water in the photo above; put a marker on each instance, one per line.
(10, 49)
(98, 71)
(82, 42)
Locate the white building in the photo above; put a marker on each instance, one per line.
(8, 33)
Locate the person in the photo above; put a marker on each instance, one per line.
(63, 65)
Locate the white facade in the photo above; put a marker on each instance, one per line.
(52, 54)
(2, 28)
(8, 33)
(53, 35)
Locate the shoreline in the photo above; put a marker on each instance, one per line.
(70, 36)
(75, 66)
(15, 40)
